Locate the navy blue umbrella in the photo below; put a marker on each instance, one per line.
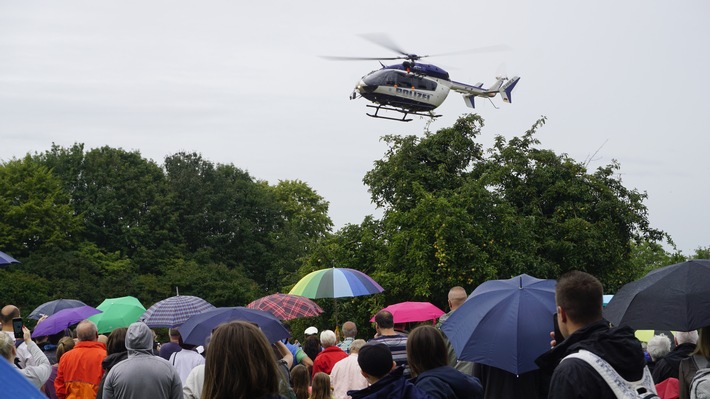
(198, 327)
(6, 259)
(52, 307)
(15, 385)
(504, 323)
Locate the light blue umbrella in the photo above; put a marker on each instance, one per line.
(15, 385)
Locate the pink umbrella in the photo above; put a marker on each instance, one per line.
(406, 312)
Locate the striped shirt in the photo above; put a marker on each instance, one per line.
(398, 346)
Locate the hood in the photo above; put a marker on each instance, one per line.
(139, 338)
(616, 345)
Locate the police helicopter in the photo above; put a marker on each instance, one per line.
(416, 88)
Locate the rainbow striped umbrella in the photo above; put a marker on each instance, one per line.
(336, 282)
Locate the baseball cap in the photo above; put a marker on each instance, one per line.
(311, 331)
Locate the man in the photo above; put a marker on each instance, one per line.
(330, 354)
(346, 374)
(385, 378)
(668, 366)
(80, 371)
(37, 375)
(579, 314)
(384, 325)
(457, 296)
(349, 332)
(142, 375)
(167, 349)
(24, 357)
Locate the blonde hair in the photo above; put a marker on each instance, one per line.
(63, 346)
(6, 346)
(321, 386)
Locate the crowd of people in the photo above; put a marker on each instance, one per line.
(592, 360)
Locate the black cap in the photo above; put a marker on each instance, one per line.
(375, 359)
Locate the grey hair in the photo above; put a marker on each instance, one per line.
(6, 346)
(86, 331)
(327, 338)
(658, 346)
(686, 337)
(356, 345)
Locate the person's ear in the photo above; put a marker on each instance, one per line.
(394, 365)
(562, 314)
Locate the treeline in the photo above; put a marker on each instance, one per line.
(107, 222)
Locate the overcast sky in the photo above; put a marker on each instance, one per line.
(243, 83)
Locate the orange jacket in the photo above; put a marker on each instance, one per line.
(80, 371)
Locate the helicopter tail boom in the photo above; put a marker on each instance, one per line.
(499, 87)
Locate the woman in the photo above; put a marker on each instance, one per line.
(697, 360)
(321, 387)
(300, 381)
(64, 345)
(427, 358)
(240, 364)
(116, 351)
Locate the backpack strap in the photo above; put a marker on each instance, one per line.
(621, 388)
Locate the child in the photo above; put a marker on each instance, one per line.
(321, 387)
(300, 380)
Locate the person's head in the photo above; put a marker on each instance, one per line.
(579, 301)
(86, 331)
(384, 320)
(457, 296)
(240, 363)
(117, 341)
(300, 380)
(312, 346)
(8, 313)
(349, 329)
(686, 337)
(327, 338)
(356, 345)
(175, 335)
(375, 361)
(321, 386)
(64, 345)
(426, 349)
(658, 346)
(310, 331)
(7, 347)
(139, 338)
(703, 345)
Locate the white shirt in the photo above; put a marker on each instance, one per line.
(23, 353)
(346, 376)
(184, 361)
(192, 388)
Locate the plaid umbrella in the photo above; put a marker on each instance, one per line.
(287, 306)
(173, 311)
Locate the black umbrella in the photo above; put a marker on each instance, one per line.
(675, 297)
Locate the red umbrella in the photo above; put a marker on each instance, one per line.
(287, 306)
(406, 312)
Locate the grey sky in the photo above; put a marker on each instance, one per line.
(242, 83)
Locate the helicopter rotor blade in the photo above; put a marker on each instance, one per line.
(486, 49)
(338, 58)
(383, 40)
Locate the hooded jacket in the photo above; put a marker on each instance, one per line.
(142, 375)
(574, 378)
(448, 383)
(391, 386)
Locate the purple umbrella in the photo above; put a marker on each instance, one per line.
(6, 259)
(63, 319)
(173, 311)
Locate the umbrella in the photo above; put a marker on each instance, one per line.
(675, 297)
(52, 307)
(117, 312)
(63, 319)
(15, 385)
(336, 282)
(173, 311)
(606, 299)
(668, 388)
(406, 312)
(286, 306)
(198, 327)
(504, 323)
(6, 259)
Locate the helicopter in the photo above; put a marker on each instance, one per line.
(416, 88)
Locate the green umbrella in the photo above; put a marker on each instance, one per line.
(117, 312)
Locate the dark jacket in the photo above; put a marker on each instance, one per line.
(448, 383)
(668, 366)
(391, 386)
(499, 383)
(110, 361)
(575, 378)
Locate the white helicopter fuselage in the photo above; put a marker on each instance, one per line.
(402, 89)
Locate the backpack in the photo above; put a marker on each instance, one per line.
(641, 389)
(700, 385)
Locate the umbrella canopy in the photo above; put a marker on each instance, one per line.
(675, 297)
(336, 282)
(52, 307)
(117, 312)
(504, 323)
(173, 311)
(606, 299)
(6, 259)
(16, 385)
(63, 319)
(406, 312)
(198, 327)
(286, 306)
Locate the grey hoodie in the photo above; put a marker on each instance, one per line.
(142, 375)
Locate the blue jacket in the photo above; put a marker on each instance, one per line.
(391, 386)
(448, 383)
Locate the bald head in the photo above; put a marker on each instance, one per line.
(87, 331)
(8, 313)
(349, 329)
(457, 296)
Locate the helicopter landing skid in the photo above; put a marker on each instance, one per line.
(404, 117)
